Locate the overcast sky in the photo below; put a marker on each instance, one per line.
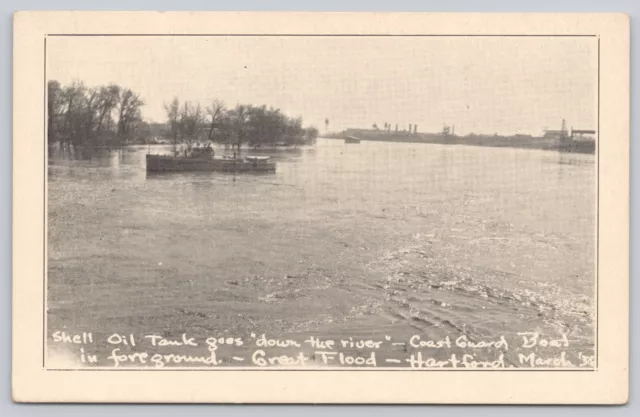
(479, 84)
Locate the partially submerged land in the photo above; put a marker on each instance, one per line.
(111, 116)
(557, 142)
(80, 116)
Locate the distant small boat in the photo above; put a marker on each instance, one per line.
(168, 163)
(351, 139)
(256, 158)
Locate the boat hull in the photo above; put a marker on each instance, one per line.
(165, 163)
(351, 139)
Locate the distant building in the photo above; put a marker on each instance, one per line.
(554, 134)
(582, 134)
(557, 134)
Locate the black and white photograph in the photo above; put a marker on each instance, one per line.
(326, 208)
(298, 202)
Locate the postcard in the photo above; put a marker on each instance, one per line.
(291, 207)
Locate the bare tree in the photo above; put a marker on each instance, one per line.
(173, 113)
(191, 119)
(109, 99)
(90, 108)
(73, 97)
(129, 112)
(239, 120)
(242, 125)
(216, 112)
(55, 107)
(78, 115)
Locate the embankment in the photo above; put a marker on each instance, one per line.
(516, 141)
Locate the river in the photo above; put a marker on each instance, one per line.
(344, 239)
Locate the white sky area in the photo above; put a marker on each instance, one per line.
(479, 84)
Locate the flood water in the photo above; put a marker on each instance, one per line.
(364, 239)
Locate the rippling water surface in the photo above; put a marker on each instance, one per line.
(365, 239)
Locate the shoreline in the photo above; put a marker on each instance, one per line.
(514, 142)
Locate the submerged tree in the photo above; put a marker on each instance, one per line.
(216, 114)
(55, 107)
(173, 113)
(239, 118)
(129, 112)
(242, 125)
(311, 134)
(78, 115)
(191, 119)
(109, 97)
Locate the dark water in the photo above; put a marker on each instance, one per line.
(360, 239)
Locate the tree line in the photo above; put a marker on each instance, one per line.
(111, 115)
(81, 115)
(244, 124)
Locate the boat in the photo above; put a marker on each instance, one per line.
(351, 139)
(168, 163)
(256, 158)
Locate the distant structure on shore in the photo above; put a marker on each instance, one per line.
(582, 134)
(575, 140)
(557, 134)
(573, 134)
